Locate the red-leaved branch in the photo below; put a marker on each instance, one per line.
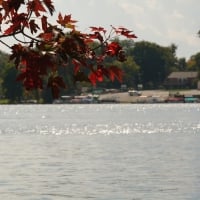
(41, 47)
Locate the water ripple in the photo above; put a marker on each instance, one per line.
(107, 129)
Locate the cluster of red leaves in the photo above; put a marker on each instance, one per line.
(49, 46)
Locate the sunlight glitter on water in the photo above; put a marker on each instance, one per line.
(106, 129)
(129, 152)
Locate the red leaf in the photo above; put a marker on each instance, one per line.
(65, 21)
(128, 35)
(113, 49)
(46, 36)
(125, 32)
(15, 4)
(115, 72)
(96, 76)
(49, 5)
(44, 23)
(99, 75)
(39, 6)
(98, 29)
(96, 35)
(45, 62)
(17, 51)
(92, 78)
(10, 30)
(18, 21)
(36, 7)
(55, 83)
(33, 26)
(77, 66)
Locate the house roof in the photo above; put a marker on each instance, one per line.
(182, 75)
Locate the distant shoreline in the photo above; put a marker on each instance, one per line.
(147, 96)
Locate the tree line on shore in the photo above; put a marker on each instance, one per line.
(147, 64)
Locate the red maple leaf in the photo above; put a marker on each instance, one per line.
(33, 26)
(36, 7)
(66, 20)
(96, 35)
(56, 83)
(128, 34)
(115, 72)
(46, 36)
(98, 75)
(44, 23)
(113, 49)
(125, 32)
(92, 78)
(18, 21)
(17, 51)
(49, 5)
(97, 29)
(15, 4)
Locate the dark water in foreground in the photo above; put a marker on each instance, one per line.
(103, 152)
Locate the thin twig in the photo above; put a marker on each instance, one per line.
(5, 44)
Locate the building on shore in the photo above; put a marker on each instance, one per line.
(182, 80)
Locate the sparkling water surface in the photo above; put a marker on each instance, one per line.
(103, 152)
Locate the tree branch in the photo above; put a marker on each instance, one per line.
(5, 44)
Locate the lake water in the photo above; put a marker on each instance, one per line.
(101, 152)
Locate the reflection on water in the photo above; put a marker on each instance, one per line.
(100, 119)
(129, 152)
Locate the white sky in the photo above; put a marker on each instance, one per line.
(161, 21)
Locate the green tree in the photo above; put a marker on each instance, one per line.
(193, 63)
(13, 90)
(4, 66)
(182, 64)
(130, 72)
(155, 62)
